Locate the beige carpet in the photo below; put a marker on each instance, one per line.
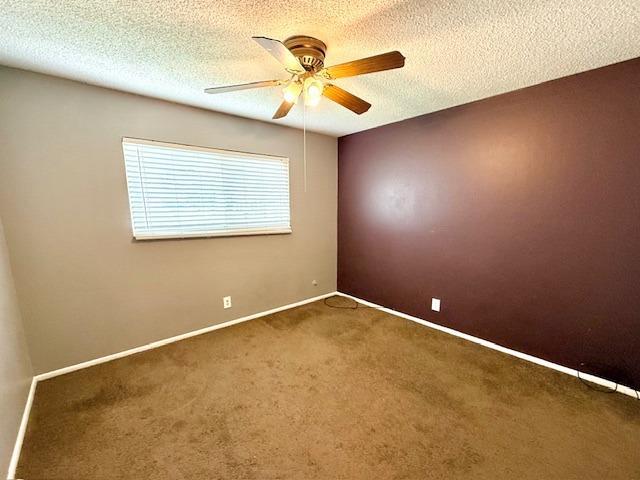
(320, 393)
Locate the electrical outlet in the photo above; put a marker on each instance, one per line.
(314, 283)
(435, 304)
(226, 302)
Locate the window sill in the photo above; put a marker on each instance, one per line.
(228, 233)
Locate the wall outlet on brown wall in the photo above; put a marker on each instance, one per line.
(435, 304)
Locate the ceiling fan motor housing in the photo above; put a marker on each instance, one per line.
(309, 51)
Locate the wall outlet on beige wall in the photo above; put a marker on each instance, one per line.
(226, 302)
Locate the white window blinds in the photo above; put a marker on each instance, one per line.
(178, 191)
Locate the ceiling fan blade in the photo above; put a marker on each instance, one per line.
(281, 53)
(283, 109)
(377, 63)
(346, 99)
(244, 86)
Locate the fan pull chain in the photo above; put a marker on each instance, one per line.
(304, 143)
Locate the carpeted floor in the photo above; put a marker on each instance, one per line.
(320, 393)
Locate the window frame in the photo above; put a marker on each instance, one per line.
(237, 154)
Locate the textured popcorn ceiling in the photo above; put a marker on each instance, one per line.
(457, 50)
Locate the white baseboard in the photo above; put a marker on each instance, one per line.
(13, 463)
(160, 343)
(530, 358)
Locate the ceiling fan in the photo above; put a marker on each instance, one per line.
(303, 59)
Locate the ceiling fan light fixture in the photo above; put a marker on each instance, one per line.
(292, 91)
(312, 91)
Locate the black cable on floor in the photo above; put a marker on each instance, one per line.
(602, 388)
(599, 388)
(354, 306)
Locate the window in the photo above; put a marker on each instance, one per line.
(178, 191)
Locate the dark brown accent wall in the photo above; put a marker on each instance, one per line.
(521, 212)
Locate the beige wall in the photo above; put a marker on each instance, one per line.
(15, 366)
(85, 288)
